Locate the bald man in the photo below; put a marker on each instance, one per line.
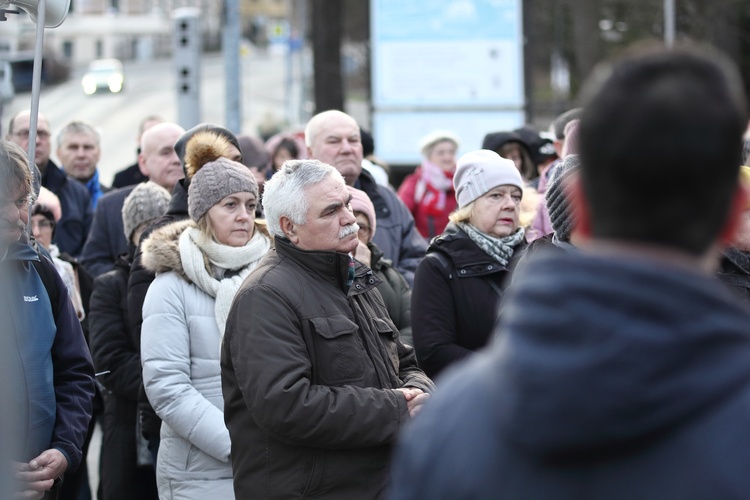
(333, 137)
(77, 214)
(159, 162)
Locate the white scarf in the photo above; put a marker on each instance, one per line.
(195, 247)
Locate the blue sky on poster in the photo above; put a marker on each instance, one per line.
(446, 20)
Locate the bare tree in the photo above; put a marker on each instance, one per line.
(327, 27)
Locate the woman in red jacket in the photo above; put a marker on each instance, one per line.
(428, 192)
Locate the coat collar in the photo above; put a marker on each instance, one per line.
(466, 255)
(330, 267)
(54, 178)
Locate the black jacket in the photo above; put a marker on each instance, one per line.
(128, 176)
(138, 282)
(73, 228)
(106, 241)
(612, 378)
(113, 350)
(395, 291)
(455, 299)
(734, 270)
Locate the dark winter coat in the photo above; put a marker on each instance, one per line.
(395, 291)
(397, 236)
(129, 176)
(612, 379)
(73, 227)
(138, 282)
(454, 303)
(106, 241)
(734, 270)
(309, 375)
(114, 351)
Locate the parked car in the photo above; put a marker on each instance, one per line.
(7, 90)
(103, 74)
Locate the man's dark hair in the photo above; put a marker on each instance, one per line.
(661, 144)
(558, 124)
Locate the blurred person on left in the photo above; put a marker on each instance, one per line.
(50, 360)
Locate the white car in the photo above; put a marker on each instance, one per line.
(7, 91)
(103, 74)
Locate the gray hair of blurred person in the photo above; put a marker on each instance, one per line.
(78, 127)
(284, 194)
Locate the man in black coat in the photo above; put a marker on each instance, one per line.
(620, 371)
(77, 212)
(107, 241)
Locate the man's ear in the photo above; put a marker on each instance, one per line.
(738, 206)
(310, 152)
(581, 211)
(289, 229)
(142, 165)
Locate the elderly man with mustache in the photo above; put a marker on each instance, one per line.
(315, 378)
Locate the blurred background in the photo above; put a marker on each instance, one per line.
(399, 67)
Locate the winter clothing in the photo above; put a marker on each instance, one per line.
(46, 352)
(181, 374)
(69, 277)
(148, 201)
(138, 282)
(361, 203)
(428, 194)
(541, 224)
(455, 299)
(113, 350)
(613, 378)
(106, 241)
(427, 142)
(397, 237)
(77, 212)
(95, 188)
(129, 176)
(395, 291)
(181, 144)
(310, 369)
(734, 270)
(477, 172)
(559, 208)
(216, 180)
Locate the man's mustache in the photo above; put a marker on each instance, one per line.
(347, 230)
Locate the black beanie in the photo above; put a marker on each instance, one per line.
(181, 143)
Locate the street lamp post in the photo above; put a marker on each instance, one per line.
(669, 23)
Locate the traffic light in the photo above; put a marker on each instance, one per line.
(186, 54)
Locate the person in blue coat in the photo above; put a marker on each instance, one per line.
(620, 371)
(45, 354)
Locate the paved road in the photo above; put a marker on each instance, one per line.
(149, 89)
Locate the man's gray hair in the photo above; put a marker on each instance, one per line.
(284, 194)
(77, 127)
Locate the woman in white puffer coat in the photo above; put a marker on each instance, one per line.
(200, 265)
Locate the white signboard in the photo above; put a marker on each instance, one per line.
(455, 64)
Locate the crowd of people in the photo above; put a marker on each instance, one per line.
(559, 313)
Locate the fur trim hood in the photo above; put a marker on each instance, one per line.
(161, 250)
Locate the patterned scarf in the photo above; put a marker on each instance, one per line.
(195, 247)
(500, 249)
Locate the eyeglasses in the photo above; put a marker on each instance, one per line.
(24, 134)
(364, 231)
(42, 224)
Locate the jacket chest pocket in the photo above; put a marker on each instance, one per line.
(338, 355)
(387, 333)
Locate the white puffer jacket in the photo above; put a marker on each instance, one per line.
(180, 351)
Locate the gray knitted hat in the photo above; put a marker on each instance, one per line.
(148, 201)
(480, 171)
(215, 181)
(213, 176)
(558, 204)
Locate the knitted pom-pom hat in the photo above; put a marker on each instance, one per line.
(213, 177)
